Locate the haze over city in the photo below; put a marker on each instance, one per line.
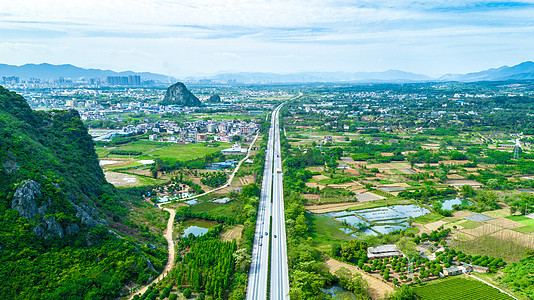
(206, 37)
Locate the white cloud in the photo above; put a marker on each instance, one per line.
(176, 37)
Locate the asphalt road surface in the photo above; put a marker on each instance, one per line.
(279, 289)
(271, 205)
(257, 280)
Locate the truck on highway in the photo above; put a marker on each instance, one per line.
(278, 170)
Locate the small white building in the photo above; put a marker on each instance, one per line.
(236, 149)
(383, 251)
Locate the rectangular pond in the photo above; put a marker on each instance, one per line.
(380, 220)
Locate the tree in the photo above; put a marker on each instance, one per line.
(242, 259)
(187, 293)
(467, 190)
(300, 225)
(236, 138)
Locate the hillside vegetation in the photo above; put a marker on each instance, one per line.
(56, 209)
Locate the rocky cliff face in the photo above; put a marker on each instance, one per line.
(25, 202)
(178, 94)
(49, 172)
(214, 99)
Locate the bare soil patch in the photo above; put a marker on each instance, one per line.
(316, 169)
(232, 233)
(506, 223)
(319, 177)
(314, 185)
(377, 288)
(310, 197)
(527, 240)
(507, 235)
(119, 179)
(485, 229)
(455, 176)
(325, 208)
(368, 196)
(347, 160)
(499, 213)
(462, 214)
(435, 225)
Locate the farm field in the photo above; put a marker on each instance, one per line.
(141, 146)
(187, 152)
(458, 288)
(171, 151)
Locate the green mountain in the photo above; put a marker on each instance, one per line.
(56, 241)
(178, 94)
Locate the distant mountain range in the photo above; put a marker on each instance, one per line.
(48, 71)
(387, 76)
(522, 71)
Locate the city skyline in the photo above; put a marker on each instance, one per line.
(192, 38)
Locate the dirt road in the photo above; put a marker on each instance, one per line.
(170, 262)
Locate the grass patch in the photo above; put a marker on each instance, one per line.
(428, 218)
(491, 246)
(522, 219)
(324, 229)
(184, 152)
(230, 209)
(468, 224)
(382, 193)
(142, 146)
(525, 229)
(458, 288)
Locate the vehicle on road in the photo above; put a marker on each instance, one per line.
(278, 170)
(275, 236)
(266, 233)
(260, 244)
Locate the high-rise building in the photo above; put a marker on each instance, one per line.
(10, 79)
(124, 80)
(134, 80)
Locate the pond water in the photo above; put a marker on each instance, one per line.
(382, 220)
(385, 229)
(351, 220)
(447, 204)
(222, 201)
(392, 212)
(197, 227)
(339, 293)
(191, 202)
(195, 230)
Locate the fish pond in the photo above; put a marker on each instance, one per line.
(336, 292)
(379, 220)
(197, 227)
(448, 204)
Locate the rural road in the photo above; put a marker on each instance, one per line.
(228, 183)
(170, 225)
(170, 262)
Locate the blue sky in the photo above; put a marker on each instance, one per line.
(194, 37)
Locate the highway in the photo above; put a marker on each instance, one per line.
(279, 289)
(259, 267)
(271, 205)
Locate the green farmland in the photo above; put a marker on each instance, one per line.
(457, 288)
(167, 151)
(185, 152)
